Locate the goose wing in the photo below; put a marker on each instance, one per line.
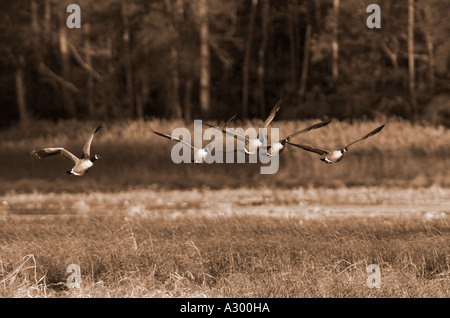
(373, 132)
(224, 125)
(274, 111)
(87, 146)
(311, 149)
(47, 152)
(222, 129)
(232, 133)
(173, 138)
(315, 126)
(228, 121)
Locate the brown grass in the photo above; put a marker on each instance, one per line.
(238, 256)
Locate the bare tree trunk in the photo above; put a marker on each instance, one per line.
(430, 48)
(393, 54)
(174, 85)
(247, 56)
(109, 98)
(187, 99)
(335, 43)
(317, 15)
(36, 33)
(265, 12)
(431, 78)
(90, 78)
(127, 60)
(47, 17)
(109, 54)
(140, 103)
(305, 65)
(66, 95)
(292, 56)
(412, 87)
(204, 58)
(144, 90)
(21, 92)
(34, 20)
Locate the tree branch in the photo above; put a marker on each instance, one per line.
(82, 63)
(44, 70)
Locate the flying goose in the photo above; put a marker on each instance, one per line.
(199, 154)
(252, 144)
(336, 155)
(82, 164)
(278, 147)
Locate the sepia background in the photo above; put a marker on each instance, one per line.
(143, 65)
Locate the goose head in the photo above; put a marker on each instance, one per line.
(95, 157)
(263, 138)
(207, 148)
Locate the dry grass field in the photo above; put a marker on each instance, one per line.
(139, 225)
(227, 243)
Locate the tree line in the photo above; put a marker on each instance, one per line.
(210, 58)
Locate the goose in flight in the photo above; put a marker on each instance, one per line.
(336, 155)
(253, 144)
(82, 164)
(199, 154)
(278, 147)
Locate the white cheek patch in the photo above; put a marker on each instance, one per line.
(199, 155)
(248, 152)
(253, 145)
(277, 147)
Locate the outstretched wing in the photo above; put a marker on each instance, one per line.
(47, 152)
(373, 132)
(224, 125)
(87, 146)
(228, 121)
(274, 111)
(315, 126)
(311, 149)
(232, 133)
(173, 138)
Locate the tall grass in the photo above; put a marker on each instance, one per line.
(238, 256)
(402, 154)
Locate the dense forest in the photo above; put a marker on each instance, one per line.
(210, 58)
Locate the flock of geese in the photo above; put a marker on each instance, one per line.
(252, 145)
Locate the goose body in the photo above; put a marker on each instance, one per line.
(81, 168)
(82, 164)
(253, 144)
(278, 147)
(200, 155)
(336, 155)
